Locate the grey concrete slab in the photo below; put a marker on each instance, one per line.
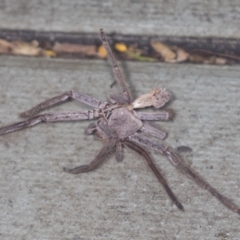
(119, 200)
(179, 18)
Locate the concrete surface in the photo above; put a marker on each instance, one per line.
(215, 18)
(119, 200)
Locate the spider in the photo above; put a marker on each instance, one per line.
(120, 124)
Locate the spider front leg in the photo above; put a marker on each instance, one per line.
(51, 117)
(118, 75)
(93, 102)
(101, 156)
(177, 162)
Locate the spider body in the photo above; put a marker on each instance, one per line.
(124, 123)
(119, 123)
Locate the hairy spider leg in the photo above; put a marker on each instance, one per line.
(67, 96)
(101, 156)
(177, 162)
(51, 117)
(118, 75)
(134, 146)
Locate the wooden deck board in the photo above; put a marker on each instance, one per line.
(119, 200)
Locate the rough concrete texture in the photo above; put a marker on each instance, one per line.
(119, 200)
(215, 18)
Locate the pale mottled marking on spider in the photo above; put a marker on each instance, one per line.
(119, 124)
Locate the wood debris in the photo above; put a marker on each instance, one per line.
(102, 53)
(70, 48)
(163, 50)
(146, 49)
(23, 48)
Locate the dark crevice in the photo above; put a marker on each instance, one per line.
(223, 47)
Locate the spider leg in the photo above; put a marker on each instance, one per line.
(67, 96)
(119, 77)
(151, 164)
(175, 159)
(117, 98)
(51, 117)
(162, 115)
(92, 127)
(101, 156)
(119, 152)
(153, 130)
(177, 162)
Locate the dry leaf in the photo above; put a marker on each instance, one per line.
(220, 60)
(61, 48)
(166, 53)
(196, 58)
(20, 48)
(24, 48)
(209, 57)
(182, 55)
(209, 60)
(102, 53)
(5, 46)
(49, 53)
(120, 47)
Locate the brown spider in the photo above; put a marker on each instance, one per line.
(120, 124)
